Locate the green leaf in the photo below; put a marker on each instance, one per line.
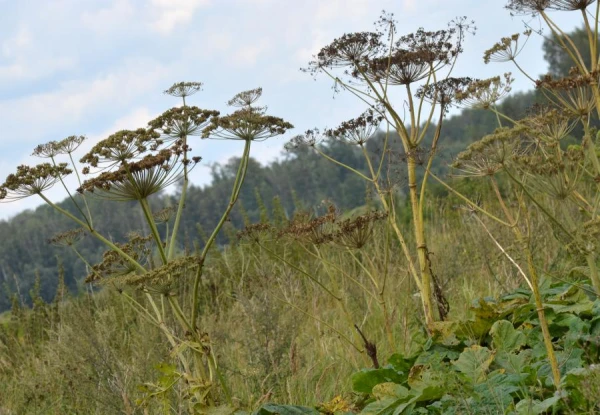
(534, 407)
(366, 379)
(474, 362)
(388, 406)
(274, 409)
(389, 390)
(506, 338)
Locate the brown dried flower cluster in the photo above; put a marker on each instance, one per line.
(489, 155)
(247, 124)
(350, 233)
(484, 93)
(507, 49)
(184, 89)
(162, 280)
(54, 148)
(245, 98)
(549, 124)
(309, 139)
(574, 93)
(114, 265)
(67, 238)
(443, 92)
(358, 130)
(349, 50)
(164, 215)
(140, 179)
(180, 122)
(120, 147)
(29, 181)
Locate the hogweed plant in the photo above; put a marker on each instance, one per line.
(133, 165)
(373, 66)
(534, 154)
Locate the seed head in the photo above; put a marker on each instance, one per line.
(484, 93)
(138, 180)
(309, 139)
(527, 7)
(349, 50)
(507, 49)
(443, 92)
(245, 98)
(180, 122)
(164, 215)
(48, 150)
(184, 89)
(28, 181)
(247, 124)
(358, 130)
(113, 265)
(121, 147)
(569, 5)
(67, 238)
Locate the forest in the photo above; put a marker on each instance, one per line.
(407, 261)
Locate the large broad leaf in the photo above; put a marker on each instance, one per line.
(506, 338)
(474, 362)
(534, 407)
(388, 406)
(366, 379)
(273, 409)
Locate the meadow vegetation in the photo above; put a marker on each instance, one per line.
(435, 284)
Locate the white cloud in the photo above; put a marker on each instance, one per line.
(172, 13)
(109, 19)
(14, 45)
(30, 116)
(248, 54)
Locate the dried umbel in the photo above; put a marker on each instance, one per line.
(256, 232)
(319, 230)
(181, 122)
(443, 92)
(489, 155)
(484, 93)
(164, 215)
(245, 98)
(574, 93)
(437, 48)
(556, 174)
(120, 147)
(114, 265)
(47, 150)
(550, 125)
(163, 279)
(358, 130)
(527, 7)
(138, 180)
(184, 89)
(586, 240)
(355, 233)
(309, 139)
(247, 124)
(28, 181)
(349, 50)
(67, 238)
(507, 49)
(569, 5)
(404, 67)
(70, 144)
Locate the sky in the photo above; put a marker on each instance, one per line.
(93, 67)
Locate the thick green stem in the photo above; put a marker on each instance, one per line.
(237, 186)
(150, 220)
